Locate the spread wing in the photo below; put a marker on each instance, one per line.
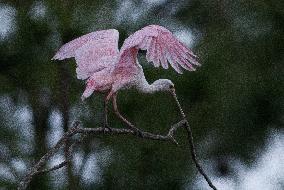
(162, 47)
(93, 52)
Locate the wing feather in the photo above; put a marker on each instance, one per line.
(181, 60)
(163, 58)
(151, 50)
(162, 47)
(157, 55)
(145, 43)
(93, 52)
(172, 61)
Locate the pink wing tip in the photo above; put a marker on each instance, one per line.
(54, 58)
(57, 56)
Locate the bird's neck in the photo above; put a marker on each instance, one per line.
(145, 87)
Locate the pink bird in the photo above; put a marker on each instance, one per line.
(109, 70)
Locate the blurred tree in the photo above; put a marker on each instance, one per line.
(232, 101)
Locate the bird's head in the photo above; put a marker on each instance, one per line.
(164, 85)
(168, 85)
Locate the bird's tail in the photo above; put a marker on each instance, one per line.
(88, 92)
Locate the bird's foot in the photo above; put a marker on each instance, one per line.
(137, 131)
(140, 133)
(107, 128)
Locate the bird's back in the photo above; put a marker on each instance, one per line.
(93, 52)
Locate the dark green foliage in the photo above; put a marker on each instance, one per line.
(235, 98)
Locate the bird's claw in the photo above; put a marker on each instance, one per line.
(107, 128)
(138, 132)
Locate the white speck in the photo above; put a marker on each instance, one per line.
(185, 36)
(77, 161)
(79, 111)
(58, 177)
(267, 172)
(38, 10)
(24, 116)
(91, 170)
(6, 174)
(4, 151)
(19, 165)
(123, 10)
(7, 21)
(55, 131)
(131, 13)
(55, 160)
(155, 2)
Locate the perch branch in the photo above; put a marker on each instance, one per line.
(76, 129)
(38, 167)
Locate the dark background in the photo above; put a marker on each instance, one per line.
(234, 102)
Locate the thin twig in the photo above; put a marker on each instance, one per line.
(56, 167)
(194, 157)
(40, 164)
(192, 147)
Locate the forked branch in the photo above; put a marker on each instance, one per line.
(38, 168)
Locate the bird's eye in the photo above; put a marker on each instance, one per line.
(171, 86)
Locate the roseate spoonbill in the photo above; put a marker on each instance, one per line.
(109, 70)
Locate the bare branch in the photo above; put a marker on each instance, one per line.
(192, 147)
(40, 164)
(38, 168)
(56, 167)
(194, 157)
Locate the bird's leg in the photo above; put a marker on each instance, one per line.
(106, 126)
(128, 124)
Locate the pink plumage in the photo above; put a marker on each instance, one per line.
(108, 70)
(93, 52)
